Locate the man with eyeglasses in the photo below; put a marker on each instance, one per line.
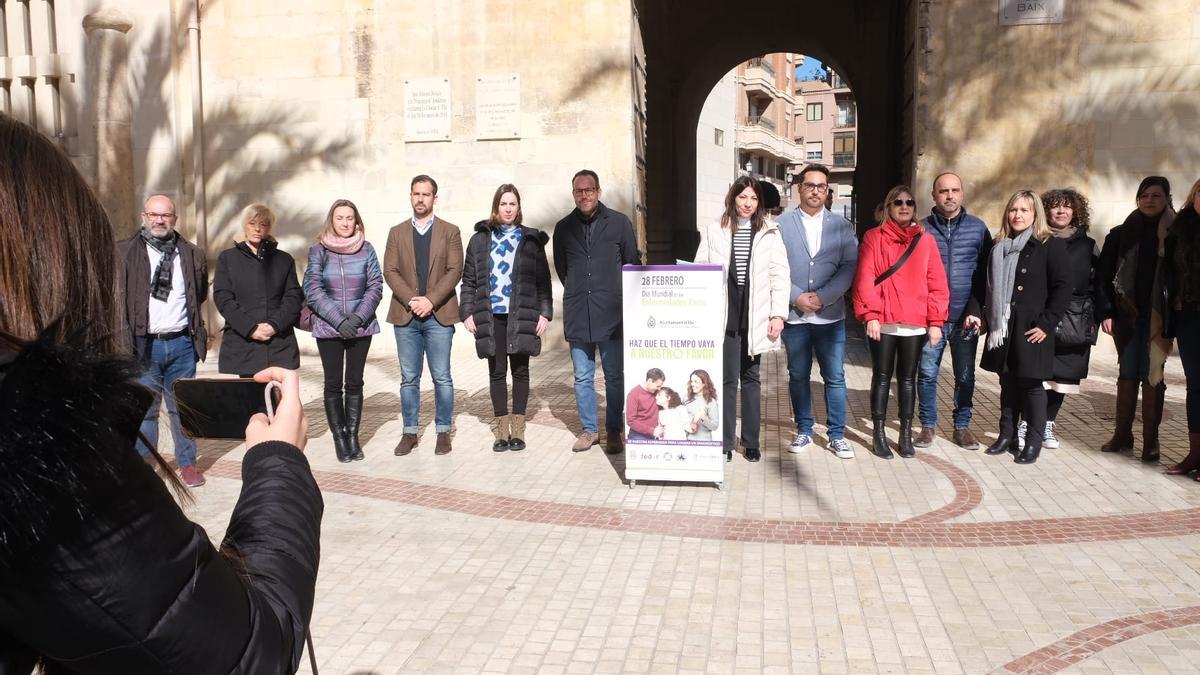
(823, 254)
(965, 244)
(590, 246)
(165, 282)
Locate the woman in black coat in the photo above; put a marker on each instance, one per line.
(1028, 290)
(1182, 277)
(506, 303)
(100, 570)
(1068, 215)
(1132, 307)
(256, 291)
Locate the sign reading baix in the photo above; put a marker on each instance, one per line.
(1018, 12)
(674, 321)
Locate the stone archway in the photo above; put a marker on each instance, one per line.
(689, 46)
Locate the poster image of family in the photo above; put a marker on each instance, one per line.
(655, 412)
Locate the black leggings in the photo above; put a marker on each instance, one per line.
(741, 368)
(337, 353)
(498, 366)
(899, 354)
(1022, 398)
(1054, 401)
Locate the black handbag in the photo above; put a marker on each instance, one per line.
(1078, 325)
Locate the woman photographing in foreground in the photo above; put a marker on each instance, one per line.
(100, 571)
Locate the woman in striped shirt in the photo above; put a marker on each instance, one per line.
(748, 243)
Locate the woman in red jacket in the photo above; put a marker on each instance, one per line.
(900, 293)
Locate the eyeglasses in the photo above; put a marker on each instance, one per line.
(815, 187)
(589, 191)
(904, 202)
(159, 216)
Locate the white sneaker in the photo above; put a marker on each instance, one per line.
(1021, 429)
(1049, 440)
(800, 443)
(841, 448)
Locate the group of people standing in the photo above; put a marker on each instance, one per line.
(1036, 290)
(504, 300)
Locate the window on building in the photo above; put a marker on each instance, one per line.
(843, 150)
(815, 112)
(719, 137)
(813, 150)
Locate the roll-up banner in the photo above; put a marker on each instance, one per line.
(674, 320)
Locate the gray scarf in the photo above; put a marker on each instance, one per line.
(160, 287)
(1002, 274)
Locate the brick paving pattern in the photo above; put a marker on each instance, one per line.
(547, 561)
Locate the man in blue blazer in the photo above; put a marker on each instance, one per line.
(823, 253)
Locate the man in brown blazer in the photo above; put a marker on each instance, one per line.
(423, 264)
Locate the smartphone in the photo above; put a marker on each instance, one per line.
(220, 408)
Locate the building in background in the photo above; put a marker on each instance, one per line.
(766, 102)
(826, 127)
(716, 148)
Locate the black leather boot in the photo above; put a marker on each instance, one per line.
(879, 445)
(335, 414)
(1001, 446)
(906, 448)
(354, 403)
(1152, 414)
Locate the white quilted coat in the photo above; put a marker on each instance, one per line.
(769, 277)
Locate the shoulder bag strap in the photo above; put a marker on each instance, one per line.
(899, 263)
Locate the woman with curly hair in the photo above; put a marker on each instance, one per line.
(1132, 307)
(702, 406)
(1068, 216)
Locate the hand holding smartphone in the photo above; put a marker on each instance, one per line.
(239, 408)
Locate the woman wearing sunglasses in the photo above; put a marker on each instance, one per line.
(900, 293)
(1028, 290)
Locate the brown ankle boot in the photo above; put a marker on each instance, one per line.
(517, 442)
(1152, 412)
(1192, 461)
(1122, 438)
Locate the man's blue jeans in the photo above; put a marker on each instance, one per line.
(583, 360)
(430, 339)
(962, 358)
(828, 342)
(166, 361)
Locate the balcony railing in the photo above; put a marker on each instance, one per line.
(843, 160)
(759, 62)
(761, 121)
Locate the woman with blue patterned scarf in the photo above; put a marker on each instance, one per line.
(507, 304)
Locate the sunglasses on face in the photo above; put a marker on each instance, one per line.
(904, 202)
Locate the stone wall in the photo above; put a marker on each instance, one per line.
(1098, 102)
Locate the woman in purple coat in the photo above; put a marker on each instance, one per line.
(343, 286)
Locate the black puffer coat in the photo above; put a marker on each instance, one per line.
(1071, 362)
(249, 290)
(1039, 298)
(531, 296)
(101, 572)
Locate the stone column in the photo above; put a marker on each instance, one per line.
(108, 56)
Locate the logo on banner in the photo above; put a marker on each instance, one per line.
(651, 323)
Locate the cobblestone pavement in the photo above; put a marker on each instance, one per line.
(547, 561)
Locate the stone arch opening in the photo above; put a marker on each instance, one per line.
(770, 116)
(690, 46)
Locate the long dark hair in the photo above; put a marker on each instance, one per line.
(58, 262)
(708, 391)
(729, 219)
(58, 275)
